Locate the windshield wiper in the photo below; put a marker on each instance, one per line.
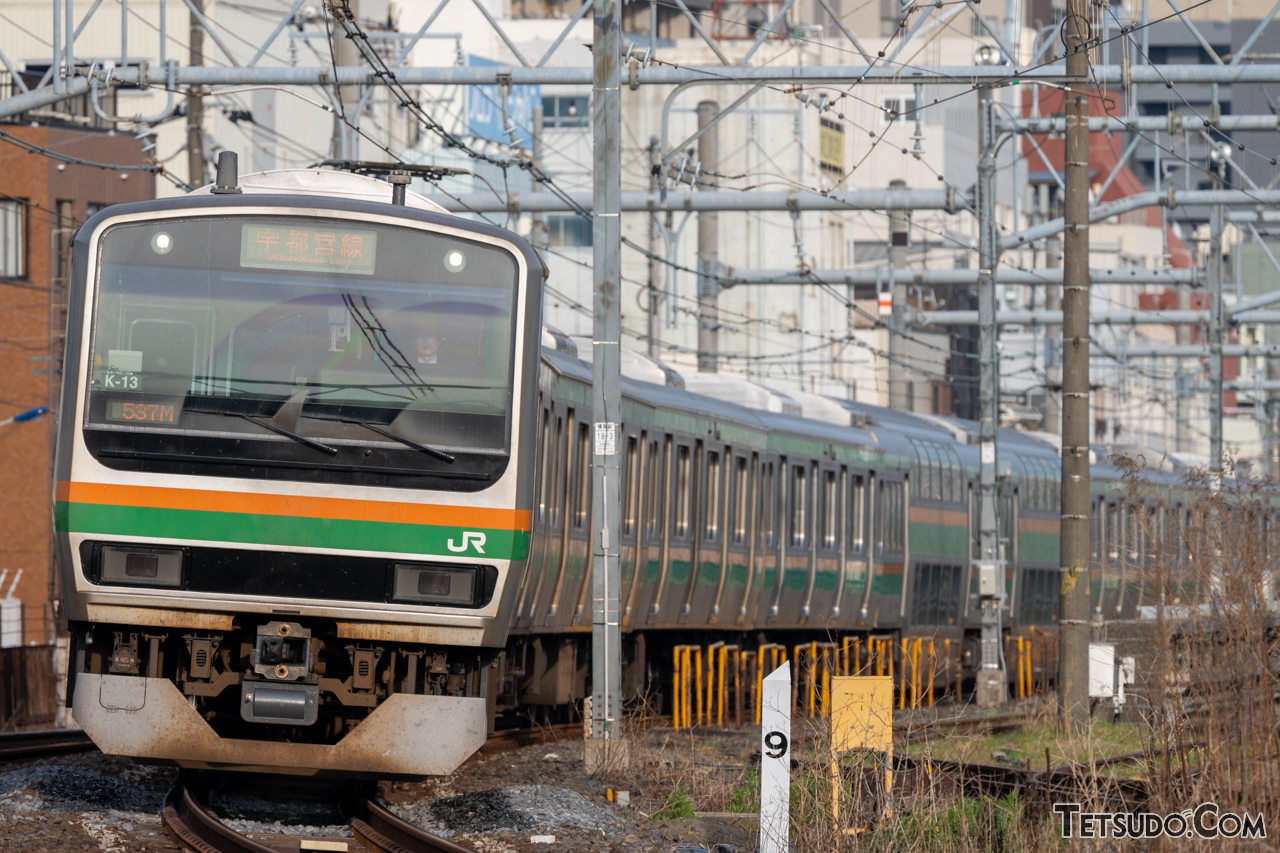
(210, 408)
(301, 439)
(421, 448)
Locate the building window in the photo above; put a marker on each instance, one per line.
(568, 230)
(13, 239)
(566, 111)
(94, 207)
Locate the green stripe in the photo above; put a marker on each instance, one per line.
(283, 530)
(887, 585)
(944, 540)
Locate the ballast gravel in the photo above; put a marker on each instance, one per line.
(538, 809)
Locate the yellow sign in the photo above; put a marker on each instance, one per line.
(862, 713)
(831, 145)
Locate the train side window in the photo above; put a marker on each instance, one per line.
(711, 506)
(557, 466)
(830, 511)
(583, 469)
(630, 486)
(740, 484)
(975, 523)
(768, 505)
(652, 490)
(891, 517)
(1008, 525)
(682, 485)
(797, 498)
(545, 469)
(856, 531)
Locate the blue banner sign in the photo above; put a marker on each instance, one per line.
(484, 109)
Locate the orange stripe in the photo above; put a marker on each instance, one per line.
(292, 505)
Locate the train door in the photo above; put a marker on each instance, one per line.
(797, 540)
(551, 501)
(768, 550)
(891, 548)
(708, 534)
(680, 552)
(650, 533)
(825, 562)
(735, 562)
(631, 530)
(575, 558)
(663, 505)
(852, 580)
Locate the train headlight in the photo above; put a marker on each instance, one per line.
(121, 564)
(162, 243)
(455, 261)
(437, 584)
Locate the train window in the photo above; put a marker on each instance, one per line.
(559, 475)
(682, 490)
(711, 506)
(581, 502)
(975, 524)
(796, 500)
(545, 468)
(652, 516)
(855, 532)
(937, 595)
(768, 505)
(630, 486)
(892, 534)
(740, 500)
(1008, 526)
(206, 327)
(830, 511)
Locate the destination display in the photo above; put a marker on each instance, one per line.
(153, 413)
(284, 246)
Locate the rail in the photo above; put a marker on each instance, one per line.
(37, 744)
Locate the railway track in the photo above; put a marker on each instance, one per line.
(375, 830)
(37, 744)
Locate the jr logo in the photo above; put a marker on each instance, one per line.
(469, 538)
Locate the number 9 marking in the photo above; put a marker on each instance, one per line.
(776, 743)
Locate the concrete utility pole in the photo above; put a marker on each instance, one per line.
(990, 680)
(1074, 631)
(603, 749)
(1183, 378)
(708, 246)
(195, 102)
(345, 144)
(1273, 415)
(899, 385)
(655, 249)
(1053, 343)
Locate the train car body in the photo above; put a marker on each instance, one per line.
(750, 523)
(294, 475)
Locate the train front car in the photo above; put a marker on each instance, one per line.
(294, 477)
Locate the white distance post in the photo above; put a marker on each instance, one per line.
(775, 762)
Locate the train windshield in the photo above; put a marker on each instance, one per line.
(329, 331)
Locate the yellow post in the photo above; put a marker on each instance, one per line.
(697, 681)
(932, 666)
(813, 677)
(946, 651)
(915, 672)
(724, 689)
(1022, 666)
(1031, 672)
(902, 656)
(675, 688)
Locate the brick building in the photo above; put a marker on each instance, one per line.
(42, 201)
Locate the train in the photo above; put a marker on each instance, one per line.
(322, 493)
